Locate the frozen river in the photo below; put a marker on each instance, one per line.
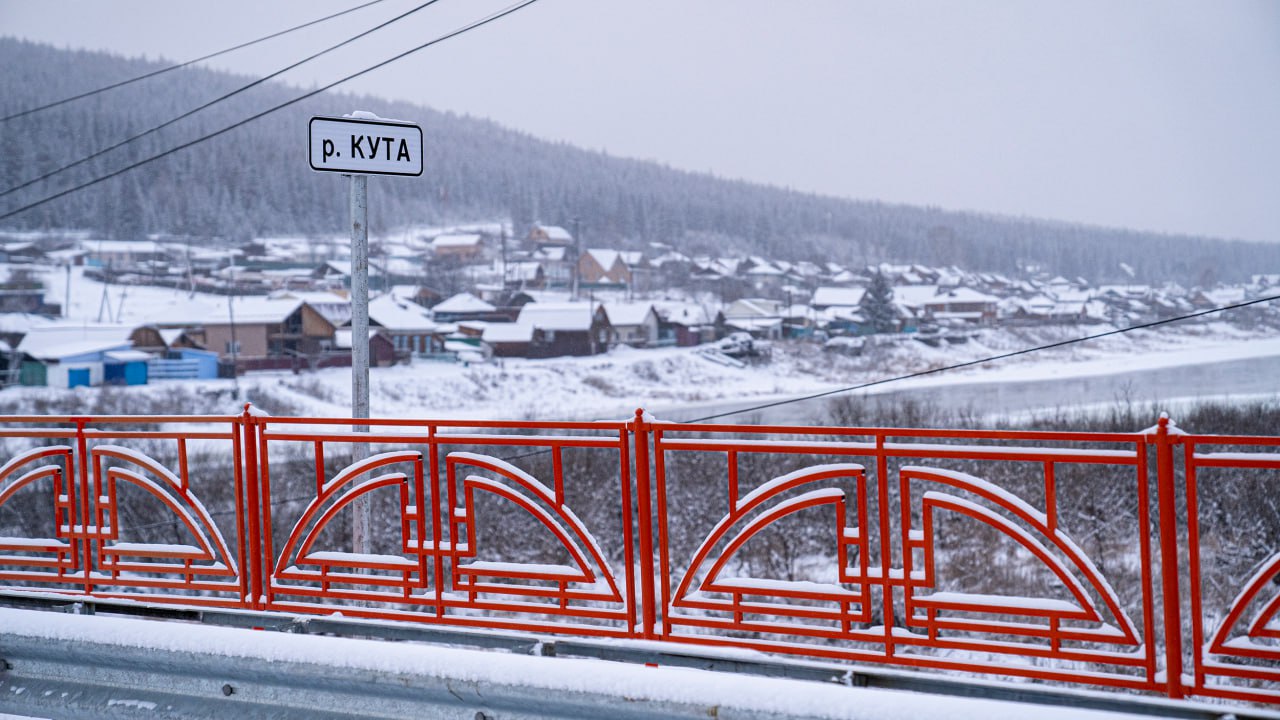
(1167, 387)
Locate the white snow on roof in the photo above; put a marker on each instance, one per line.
(395, 314)
(463, 302)
(623, 314)
(604, 257)
(914, 295)
(253, 310)
(507, 333)
(965, 295)
(555, 232)
(123, 246)
(838, 296)
(52, 342)
(683, 313)
(170, 335)
(557, 316)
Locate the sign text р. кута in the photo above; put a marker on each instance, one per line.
(365, 147)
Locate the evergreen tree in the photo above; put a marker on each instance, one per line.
(877, 305)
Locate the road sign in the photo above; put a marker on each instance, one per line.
(362, 146)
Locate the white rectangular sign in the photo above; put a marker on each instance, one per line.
(359, 146)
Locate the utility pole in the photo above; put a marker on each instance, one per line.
(231, 318)
(577, 257)
(503, 237)
(363, 519)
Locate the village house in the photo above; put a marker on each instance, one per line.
(760, 317)
(265, 328)
(465, 306)
(407, 325)
(685, 324)
(566, 328)
(960, 305)
(543, 236)
(75, 355)
(509, 339)
(603, 268)
(21, 252)
(634, 324)
(123, 253)
(462, 248)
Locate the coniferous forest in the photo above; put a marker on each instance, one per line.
(254, 181)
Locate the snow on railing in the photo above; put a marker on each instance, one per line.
(1079, 558)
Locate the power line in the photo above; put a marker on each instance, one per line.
(993, 358)
(161, 71)
(1024, 351)
(956, 366)
(215, 101)
(520, 5)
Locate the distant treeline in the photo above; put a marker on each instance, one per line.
(255, 181)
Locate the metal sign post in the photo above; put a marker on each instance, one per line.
(363, 519)
(359, 145)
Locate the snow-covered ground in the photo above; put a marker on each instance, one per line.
(613, 385)
(774, 697)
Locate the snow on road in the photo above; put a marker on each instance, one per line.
(634, 683)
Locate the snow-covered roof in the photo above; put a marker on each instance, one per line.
(631, 258)
(624, 314)
(965, 295)
(557, 316)
(170, 335)
(254, 310)
(507, 333)
(331, 306)
(604, 257)
(53, 342)
(463, 302)
(762, 267)
(753, 307)
(683, 313)
(127, 355)
(123, 246)
(395, 314)
(555, 232)
(838, 296)
(914, 295)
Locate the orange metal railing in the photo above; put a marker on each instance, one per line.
(1123, 560)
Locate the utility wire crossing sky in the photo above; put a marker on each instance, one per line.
(1150, 114)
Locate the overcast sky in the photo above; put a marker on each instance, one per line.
(1159, 115)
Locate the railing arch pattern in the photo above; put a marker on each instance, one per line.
(843, 543)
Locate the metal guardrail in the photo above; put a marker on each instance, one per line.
(188, 685)
(651, 530)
